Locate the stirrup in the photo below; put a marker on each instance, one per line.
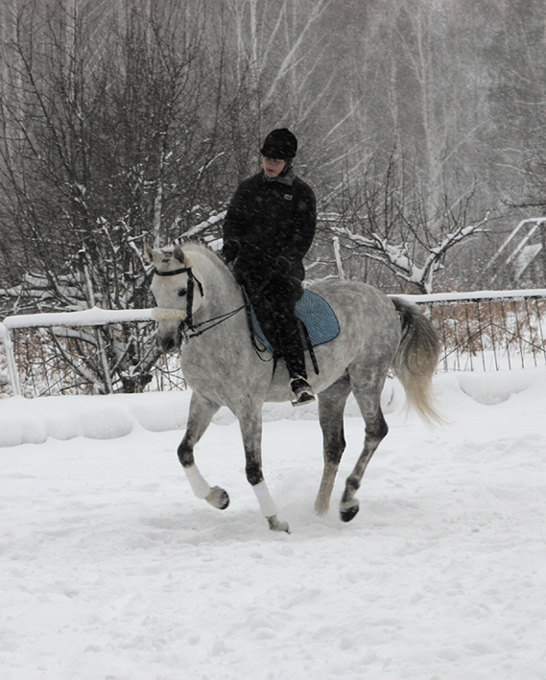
(301, 391)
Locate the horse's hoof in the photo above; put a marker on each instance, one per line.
(218, 498)
(348, 512)
(276, 525)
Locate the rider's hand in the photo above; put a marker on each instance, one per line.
(231, 250)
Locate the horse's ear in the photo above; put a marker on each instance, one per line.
(178, 254)
(149, 252)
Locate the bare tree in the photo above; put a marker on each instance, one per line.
(93, 173)
(385, 221)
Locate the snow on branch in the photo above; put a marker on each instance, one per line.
(397, 257)
(206, 224)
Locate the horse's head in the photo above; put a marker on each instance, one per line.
(177, 292)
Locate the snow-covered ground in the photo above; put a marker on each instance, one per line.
(111, 569)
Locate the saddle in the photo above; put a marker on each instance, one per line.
(318, 323)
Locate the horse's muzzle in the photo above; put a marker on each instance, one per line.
(169, 335)
(171, 341)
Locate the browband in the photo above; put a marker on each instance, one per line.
(174, 272)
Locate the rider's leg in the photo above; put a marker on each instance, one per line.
(288, 338)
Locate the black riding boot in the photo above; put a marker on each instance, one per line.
(291, 348)
(275, 310)
(289, 345)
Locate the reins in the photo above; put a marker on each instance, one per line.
(217, 319)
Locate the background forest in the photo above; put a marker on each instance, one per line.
(422, 129)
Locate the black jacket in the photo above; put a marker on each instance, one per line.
(269, 227)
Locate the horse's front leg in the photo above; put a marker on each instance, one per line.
(251, 429)
(200, 415)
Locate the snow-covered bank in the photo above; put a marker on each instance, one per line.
(32, 421)
(111, 569)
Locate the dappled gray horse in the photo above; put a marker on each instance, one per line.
(200, 302)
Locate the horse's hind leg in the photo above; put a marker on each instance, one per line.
(331, 404)
(366, 386)
(200, 415)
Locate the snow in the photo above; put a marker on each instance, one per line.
(516, 294)
(525, 257)
(396, 255)
(95, 316)
(110, 569)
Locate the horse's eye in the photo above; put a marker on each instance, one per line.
(181, 292)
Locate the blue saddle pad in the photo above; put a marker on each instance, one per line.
(317, 315)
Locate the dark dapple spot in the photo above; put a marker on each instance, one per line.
(185, 452)
(254, 473)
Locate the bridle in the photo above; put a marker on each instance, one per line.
(192, 280)
(186, 324)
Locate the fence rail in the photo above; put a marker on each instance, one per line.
(489, 330)
(481, 330)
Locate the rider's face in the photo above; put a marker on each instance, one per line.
(273, 166)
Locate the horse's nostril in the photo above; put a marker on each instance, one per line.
(167, 344)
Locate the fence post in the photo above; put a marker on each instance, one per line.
(13, 374)
(101, 349)
(337, 254)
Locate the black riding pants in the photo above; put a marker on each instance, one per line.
(274, 306)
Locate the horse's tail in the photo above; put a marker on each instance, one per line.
(416, 359)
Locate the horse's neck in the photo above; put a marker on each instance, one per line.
(221, 291)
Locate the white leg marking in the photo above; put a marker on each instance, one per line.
(198, 484)
(267, 504)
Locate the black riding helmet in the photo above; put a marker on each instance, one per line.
(280, 143)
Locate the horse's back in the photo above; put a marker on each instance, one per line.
(365, 313)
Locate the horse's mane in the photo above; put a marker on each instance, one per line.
(192, 246)
(201, 247)
(199, 252)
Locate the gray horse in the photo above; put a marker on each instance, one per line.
(200, 302)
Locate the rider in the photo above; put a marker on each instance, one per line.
(269, 227)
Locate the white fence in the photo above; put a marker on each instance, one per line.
(481, 330)
(88, 317)
(489, 330)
